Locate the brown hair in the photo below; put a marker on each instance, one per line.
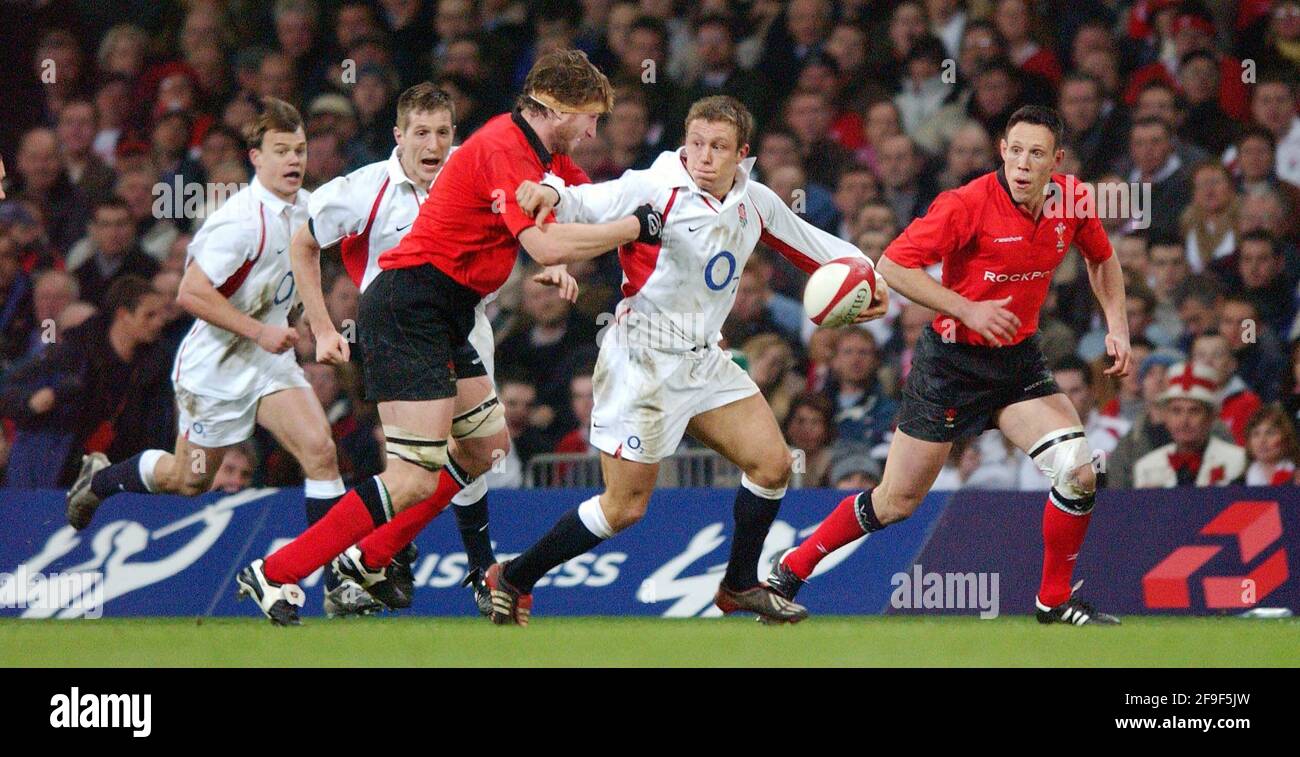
(727, 110)
(1275, 415)
(567, 77)
(423, 97)
(274, 115)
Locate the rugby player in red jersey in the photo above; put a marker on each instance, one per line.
(415, 319)
(979, 366)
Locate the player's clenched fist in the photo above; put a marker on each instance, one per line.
(536, 200)
(332, 348)
(991, 320)
(652, 224)
(276, 339)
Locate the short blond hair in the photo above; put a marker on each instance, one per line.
(724, 109)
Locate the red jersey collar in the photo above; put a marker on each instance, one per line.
(534, 141)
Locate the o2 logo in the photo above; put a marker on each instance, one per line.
(711, 279)
(282, 294)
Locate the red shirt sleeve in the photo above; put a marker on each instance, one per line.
(502, 175)
(943, 230)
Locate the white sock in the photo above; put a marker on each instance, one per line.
(323, 488)
(761, 491)
(148, 461)
(476, 490)
(593, 518)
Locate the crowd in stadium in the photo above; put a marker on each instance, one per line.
(865, 111)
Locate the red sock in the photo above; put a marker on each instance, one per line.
(1062, 537)
(378, 548)
(839, 528)
(346, 522)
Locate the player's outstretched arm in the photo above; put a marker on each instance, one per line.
(201, 299)
(1107, 279)
(304, 259)
(559, 243)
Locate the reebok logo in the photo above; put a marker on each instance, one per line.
(77, 710)
(1001, 278)
(1005, 240)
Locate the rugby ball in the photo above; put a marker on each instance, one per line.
(839, 290)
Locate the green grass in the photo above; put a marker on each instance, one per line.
(822, 641)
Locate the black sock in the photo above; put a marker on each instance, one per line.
(565, 541)
(472, 520)
(318, 506)
(754, 516)
(119, 477)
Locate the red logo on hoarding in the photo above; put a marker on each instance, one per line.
(1256, 526)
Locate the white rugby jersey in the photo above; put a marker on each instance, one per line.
(243, 248)
(367, 212)
(683, 288)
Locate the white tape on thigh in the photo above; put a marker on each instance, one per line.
(430, 454)
(485, 420)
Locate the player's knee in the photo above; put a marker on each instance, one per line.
(477, 455)
(1064, 457)
(1085, 478)
(773, 472)
(625, 510)
(893, 503)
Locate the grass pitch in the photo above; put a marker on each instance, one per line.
(622, 642)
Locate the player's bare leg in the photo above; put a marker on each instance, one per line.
(479, 438)
(628, 485)
(1048, 429)
(188, 470)
(746, 433)
(910, 470)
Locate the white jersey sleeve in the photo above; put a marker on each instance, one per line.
(606, 201)
(335, 212)
(794, 238)
(222, 246)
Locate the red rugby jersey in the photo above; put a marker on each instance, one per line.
(468, 227)
(991, 248)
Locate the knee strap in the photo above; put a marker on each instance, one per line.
(485, 420)
(430, 454)
(1057, 455)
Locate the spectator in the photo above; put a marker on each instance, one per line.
(907, 188)
(809, 115)
(115, 251)
(1209, 222)
(42, 179)
(719, 72)
(857, 187)
(581, 402)
(540, 345)
(791, 184)
(771, 364)
(1193, 457)
(627, 130)
(854, 469)
(810, 431)
(1198, 300)
(967, 469)
(750, 314)
(16, 322)
(1169, 269)
(1193, 31)
(1260, 275)
(1255, 162)
(1255, 348)
(1236, 402)
(1151, 149)
(93, 390)
(237, 468)
(1273, 106)
(76, 132)
(518, 401)
(1127, 402)
(1271, 448)
(1291, 386)
(923, 89)
(1148, 430)
(970, 155)
(1012, 18)
(52, 293)
(1089, 132)
(1206, 125)
(862, 411)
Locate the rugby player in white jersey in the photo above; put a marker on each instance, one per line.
(236, 367)
(365, 213)
(661, 373)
